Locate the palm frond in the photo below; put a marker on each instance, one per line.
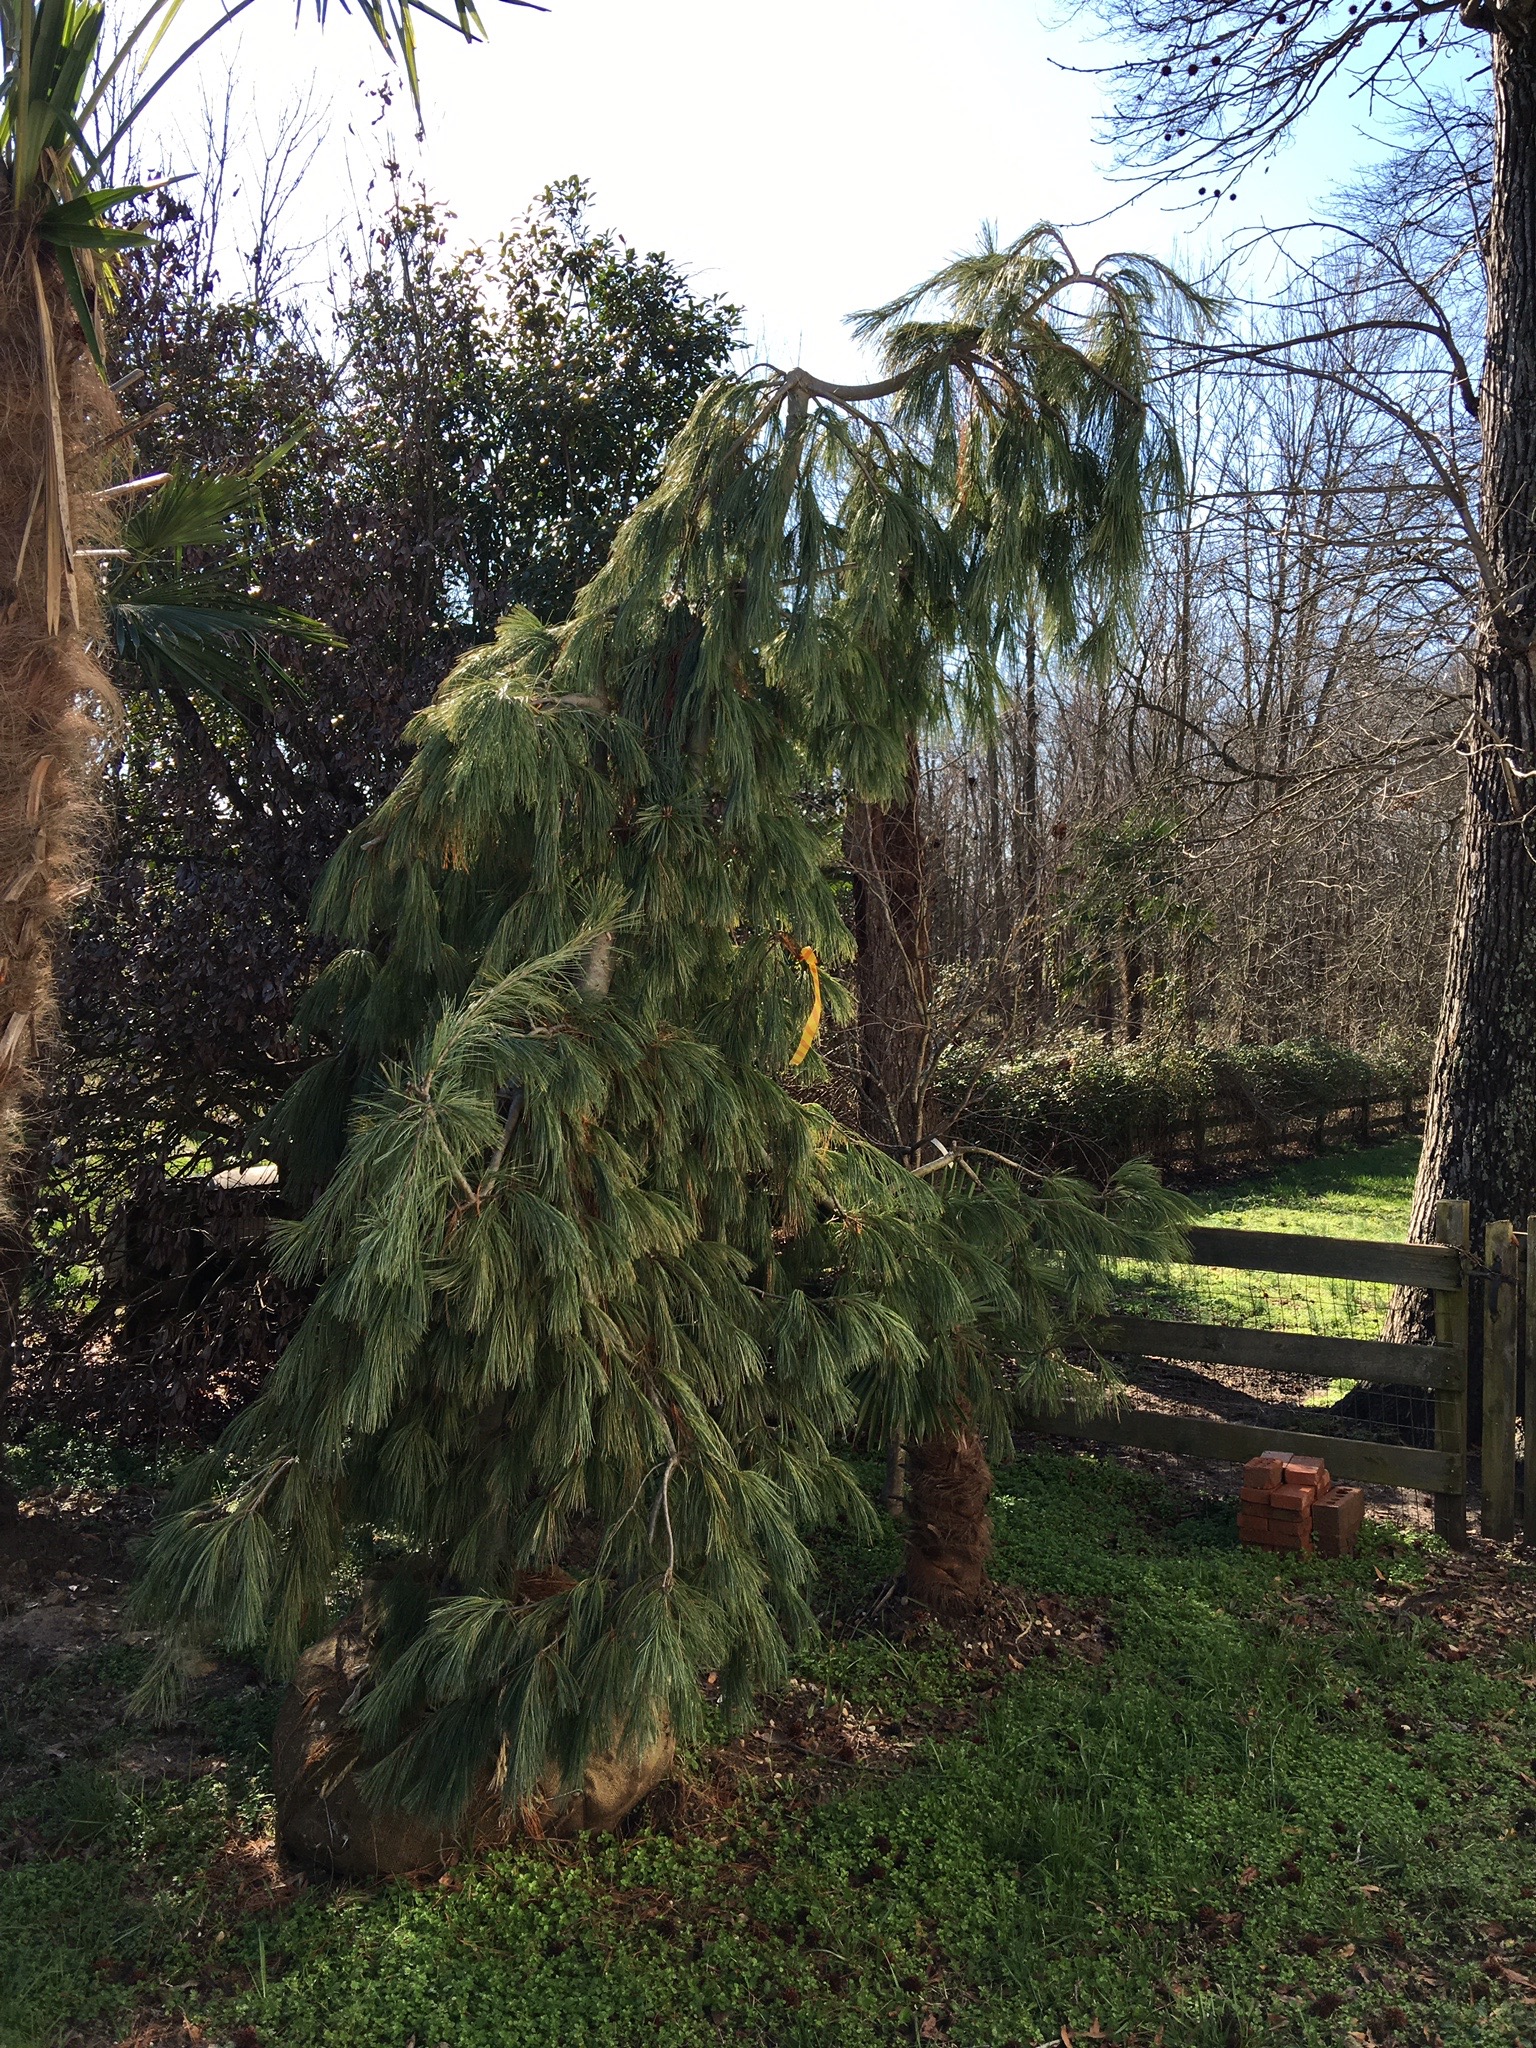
(392, 21)
(202, 631)
(193, 509)
(193, 638)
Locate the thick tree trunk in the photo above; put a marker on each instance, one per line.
(1027, 824)
(893, 974)
(54, 411)
(1480, 1130)
(949, 1533)
(947, 1480)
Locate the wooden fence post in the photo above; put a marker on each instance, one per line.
(1501, 1326)
(1453, 1227)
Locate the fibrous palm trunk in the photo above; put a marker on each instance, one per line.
(55, 413)
(54, 417)
(1480, 1129)
(948, 1479)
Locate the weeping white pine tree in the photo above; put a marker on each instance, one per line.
(600, 1301)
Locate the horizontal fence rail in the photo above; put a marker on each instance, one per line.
(1282, 1351)
(1291, 1122)
(1234, 1443)
(1227, 1130)
(1429, 1266)
(1443, 1270)
(1241, 1132)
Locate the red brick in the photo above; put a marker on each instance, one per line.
(1264, 1472)
(1336, 1519)
(1294, 1500)
(1307, 1472)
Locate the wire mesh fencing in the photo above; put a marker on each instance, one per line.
(1293, 1304)
(1302, 1304)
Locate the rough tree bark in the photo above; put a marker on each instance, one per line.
(948, 1479)
(1480, 1130)
(1028, 823)
(55, 414)
(948, 1529)
(883, 844)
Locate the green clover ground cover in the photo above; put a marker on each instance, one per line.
(1281, 1809)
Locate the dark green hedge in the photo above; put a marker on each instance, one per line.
(1089, 1106)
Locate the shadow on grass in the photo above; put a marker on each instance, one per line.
(1283, 1807)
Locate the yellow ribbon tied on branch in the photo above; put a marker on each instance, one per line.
(807, 955)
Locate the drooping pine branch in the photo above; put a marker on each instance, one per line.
(601, 1302)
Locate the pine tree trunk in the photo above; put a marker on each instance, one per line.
(1032, 905)
(885, 850)
(1133, 969)
(54, 411)
(948, 1480)
(1480, 1126)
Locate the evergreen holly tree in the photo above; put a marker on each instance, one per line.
(601, 1301)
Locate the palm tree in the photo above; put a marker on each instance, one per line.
(195, 634)
(61, 444)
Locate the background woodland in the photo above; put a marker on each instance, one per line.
(1243, 834)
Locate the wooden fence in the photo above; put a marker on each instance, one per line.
(1445, 1270)
(1233, 1127)
(1228, 1135)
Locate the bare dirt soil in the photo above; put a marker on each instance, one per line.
(64, 1566)
(1230, 1393)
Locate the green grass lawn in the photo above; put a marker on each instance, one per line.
(1366, 1193)
(1277, 1809)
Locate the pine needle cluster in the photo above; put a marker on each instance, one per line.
(601, 1302)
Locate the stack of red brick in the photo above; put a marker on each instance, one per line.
(1293, 1504)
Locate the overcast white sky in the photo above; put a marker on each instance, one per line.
(806, 159)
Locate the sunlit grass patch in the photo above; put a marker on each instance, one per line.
(1364, 1194)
